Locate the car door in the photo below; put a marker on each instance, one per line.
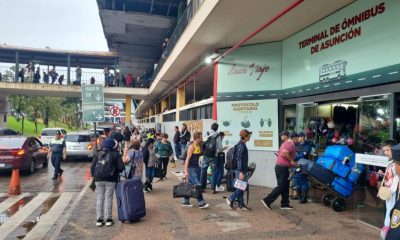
(37, 151)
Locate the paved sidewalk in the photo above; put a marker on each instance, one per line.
(166, 219)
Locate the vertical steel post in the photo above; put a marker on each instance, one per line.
(68, 69)
(16, 65)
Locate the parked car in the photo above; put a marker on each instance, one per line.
(48, 133)
(7, 132)
(24, 153)
(79, 145)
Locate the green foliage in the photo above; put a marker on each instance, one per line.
(29, 126)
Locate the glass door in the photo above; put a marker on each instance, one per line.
(306, 120)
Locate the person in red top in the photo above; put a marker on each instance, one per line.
(285, 160)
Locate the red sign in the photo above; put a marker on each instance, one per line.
(114, 111)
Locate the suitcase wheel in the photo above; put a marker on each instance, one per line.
(327, 199)
(338, 204)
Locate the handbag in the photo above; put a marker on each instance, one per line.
(384, 192)
(240, 184)
(186, 189)
(158, 172)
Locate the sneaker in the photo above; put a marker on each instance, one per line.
(99, 223)
(204, 205)
(243, 209)
(266, 205)
(230, 203)
(54, 177)
(187, 205)
(145, 190)
(109, 222)
(214, 192)
(61, 172)
(220, 189)
(287, 207)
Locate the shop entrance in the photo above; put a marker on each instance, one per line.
(362, 124)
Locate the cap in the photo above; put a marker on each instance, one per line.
(396, 153)
(284, 133)
(244, 133)
(301, 134)
(293, 135)
(58, 132)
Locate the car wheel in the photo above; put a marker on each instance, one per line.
(31, 168)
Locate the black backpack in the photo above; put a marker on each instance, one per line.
(210, 146)
(231, 162)
(184, 154)
(104, 166)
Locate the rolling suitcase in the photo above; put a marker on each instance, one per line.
(339, 152)
(230, 181)
(130, 200)
(355, 173)
(342, 187)
(327, 162)
(321, 174)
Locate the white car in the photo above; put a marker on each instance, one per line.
(48, 133)
(79, 145)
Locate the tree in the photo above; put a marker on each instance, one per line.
(36, 103)
(19, 103)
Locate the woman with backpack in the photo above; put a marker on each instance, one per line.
(192, 168)
(105, 168)
(150, 160)
(163, 152)
(134, 160)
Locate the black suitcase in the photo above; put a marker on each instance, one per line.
(318, 172)
(230, 181)
(130, 200)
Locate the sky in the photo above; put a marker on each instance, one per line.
(59, 24)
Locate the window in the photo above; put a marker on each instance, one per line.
(77, 138)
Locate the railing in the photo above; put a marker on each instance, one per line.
(8, 75)
(187, 16)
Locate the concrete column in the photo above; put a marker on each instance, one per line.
(151, 111)
(4, 109)
(164, 105)
(16, 65)
(180, 100)
(128, 110)
(69, 69)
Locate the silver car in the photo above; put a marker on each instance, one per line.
(79, 145)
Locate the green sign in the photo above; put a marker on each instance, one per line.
(93, 103)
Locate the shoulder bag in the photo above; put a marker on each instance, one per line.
(384, 192)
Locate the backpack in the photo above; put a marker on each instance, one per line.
(210, 146)
(104, 166)
(231, 163)
(184, 154)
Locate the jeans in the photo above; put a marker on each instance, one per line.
(208, 161)
(149, 174)
(164, 163)
(301, 182)
(194, 173)
(218, 173)
(183, 150)
(105, 193)
(56, 159)
(238, 194)
(282, 175)
(177, 148)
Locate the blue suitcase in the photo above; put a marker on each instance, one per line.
(130, 200)
(320, 173)
(341, 170)
(339, 152)
(327, 162)
(342, 187)
(355, 172)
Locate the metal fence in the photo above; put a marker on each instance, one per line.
(187, 16)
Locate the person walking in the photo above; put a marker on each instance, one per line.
(241, 156)
(21, 75)
(134, 158)
(391, 181)
(211, 148)
(78, 74)
(127, 138)
(150, 160)
(192, 169)
(285, 160)
(177, 145)
(105, 184)
(163, 151)
(53, 74)
(219, 168)
(184, 139)
(57, 153)
(31, 71)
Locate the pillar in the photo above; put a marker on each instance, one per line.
(4, 108)
(16, 65)
(215, 91)
(128, 110)
(180, 100)
(164, 105)
(69, 69)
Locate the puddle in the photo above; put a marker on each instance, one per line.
(4, 216)
(35, 217)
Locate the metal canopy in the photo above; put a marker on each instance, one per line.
(96, 60)
(135, 29)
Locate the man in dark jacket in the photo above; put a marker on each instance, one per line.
(241, 156)
(303, 150)
(177, 145)
(184, 140)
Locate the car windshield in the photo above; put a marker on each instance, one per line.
(49, 132)
(77, 138)
(11, 142)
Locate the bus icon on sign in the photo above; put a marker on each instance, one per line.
(333, 71)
